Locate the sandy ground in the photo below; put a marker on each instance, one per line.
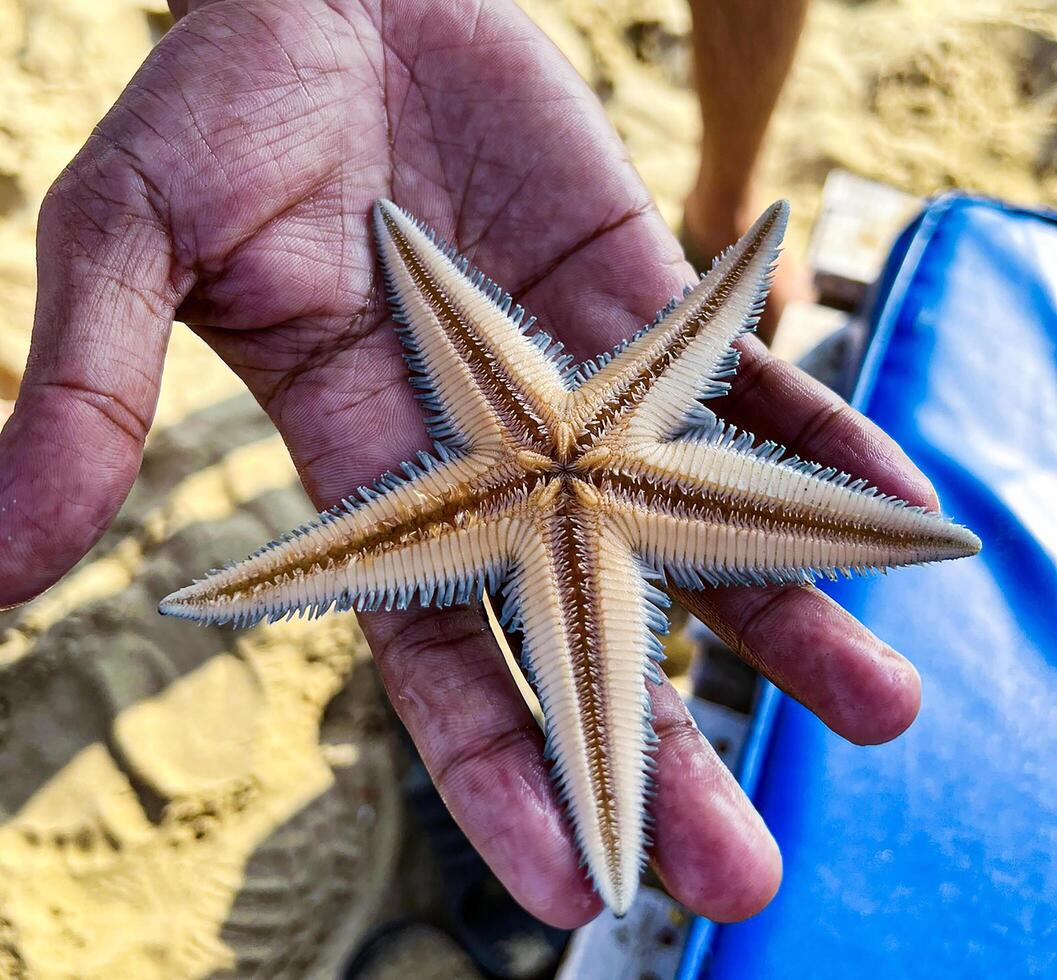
(225, 804)
(180, 803)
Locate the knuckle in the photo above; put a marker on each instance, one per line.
(754, 629)
(826, 424)
(432, 631)
(679, 728)
(756, 368)
(495, 749)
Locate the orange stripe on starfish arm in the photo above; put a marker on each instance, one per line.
(733, 514)
(492, 378)
(648, 389)
(585, 612)
(446, 532)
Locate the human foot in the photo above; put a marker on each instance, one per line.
(711, 221)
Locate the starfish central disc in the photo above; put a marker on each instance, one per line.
(575, 492)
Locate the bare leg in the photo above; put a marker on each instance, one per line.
(742, 53)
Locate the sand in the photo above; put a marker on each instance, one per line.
(189, 804)
(183, 803)
(926, 95)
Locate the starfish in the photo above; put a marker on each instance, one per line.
(575, 491)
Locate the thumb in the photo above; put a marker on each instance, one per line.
(73, 445)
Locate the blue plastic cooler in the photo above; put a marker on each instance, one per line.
(936, 855)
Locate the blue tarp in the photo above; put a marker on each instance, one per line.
(936, 855)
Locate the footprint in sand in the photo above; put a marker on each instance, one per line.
(179, 802)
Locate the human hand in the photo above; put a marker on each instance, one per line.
(231, 187)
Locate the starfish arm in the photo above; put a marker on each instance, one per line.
(577, 593)
(444, 533)
(719, 509)
(487, 381)
(650, 387)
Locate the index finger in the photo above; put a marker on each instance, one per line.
(774, 399)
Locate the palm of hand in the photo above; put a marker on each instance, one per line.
(231, 185)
